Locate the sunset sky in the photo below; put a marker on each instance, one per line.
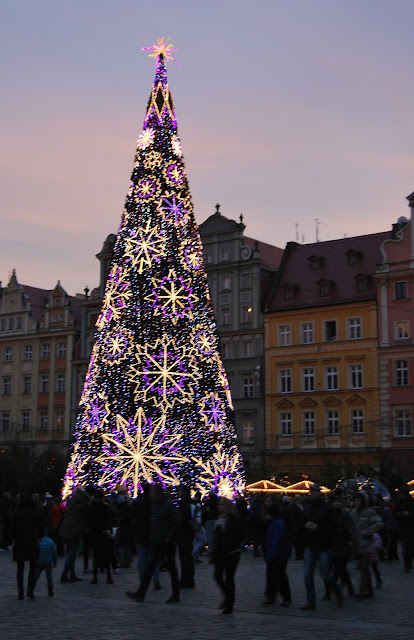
(288, 111)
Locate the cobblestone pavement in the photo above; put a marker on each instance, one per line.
(81, 610)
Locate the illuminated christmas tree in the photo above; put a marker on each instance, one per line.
(156, 404)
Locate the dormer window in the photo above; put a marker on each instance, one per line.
(316, 262)
(362, 282)
(353, 256)
(326, 287)
(224, 255)
(289, 291)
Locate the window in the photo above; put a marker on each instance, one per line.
(27, 384)
(288, 293)
(43, 421)
(11, 324)
(309, 423)
(332, 423)
(225, 282)
(248, 387)
(306, 332)
(25, 420)
(285, 381)
(401, 330)
(324, 288)
(402, 423)
(286, 423)
(208, 258)
(246, 313)
(44, 384)
(224, 255)
(284, 335)
(3, 325)
(308, 379)
(247, 349)
(248, 430)
(225, 315)
(28, 352)
(355, 376)
(245, 281)
(354, 329)
(401, 373)
(8, 354)
(400, 289)
(5, 421)
(53, 318)
(245, 296)
(331, 378)
(7, 386)
(329, 330)
(361, 284)
(60, 382)
(226, 347)
(357, 421)
(19, 323)
(60, 416)
(61, 350)
(45, 351)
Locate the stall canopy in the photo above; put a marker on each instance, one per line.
(265, 486)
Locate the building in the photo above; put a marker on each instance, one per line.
(240, 273)
(395, 281)
(321, 358)
(39, 331)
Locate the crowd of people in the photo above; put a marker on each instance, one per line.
(161, 532)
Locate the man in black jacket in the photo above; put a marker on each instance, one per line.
(319, 526)
(162, 540)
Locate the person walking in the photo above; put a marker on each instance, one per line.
(47, 559)
(73, 525)
(227, 542)
(277, 551)
(365, 522)
(26, 530)
(162, 542)
(319, 528)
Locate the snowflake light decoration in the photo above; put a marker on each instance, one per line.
(140, 450)
(76, 472)
(204, 341)
(116, 296)
(172, 297)
(153, 159)
(146, 138)
(118, 345)
(173, 207)
(174, 175)
(164, 373)
(221, 472)
(144, 246)
(212, 412)
(193, 255)
(147, 190)
(96, 412)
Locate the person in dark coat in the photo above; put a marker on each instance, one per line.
(404, 511)
(277, 555)
(185, 535)
(26, 528)
(141, 519)
(162, 541)
(100, 532)
(71, 530)
(227, 544)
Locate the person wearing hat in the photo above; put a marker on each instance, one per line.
(319, 527)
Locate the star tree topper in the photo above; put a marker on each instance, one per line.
(162, 48)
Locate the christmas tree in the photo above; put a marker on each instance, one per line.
(156, 404)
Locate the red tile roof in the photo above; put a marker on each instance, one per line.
(334, 269)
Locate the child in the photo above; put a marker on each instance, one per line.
(375, 557)
(47, 557)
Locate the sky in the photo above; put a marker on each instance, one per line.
(289, 112)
